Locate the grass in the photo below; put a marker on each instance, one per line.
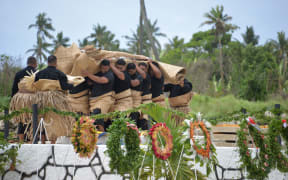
(4, 102)
(212, 107)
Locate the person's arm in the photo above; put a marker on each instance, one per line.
(139, 70)
(15, 85)
(118, 73)
(64, 82)
(167, 87)
(155, 69)
(135, 82)
(97, 79)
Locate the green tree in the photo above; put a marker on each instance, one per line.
(60, 40)
(103, 38)
(133, 42)
(84, 42)
(250, 37)
(43, 25)
(281, 50)
(219, 22)
(39, 50)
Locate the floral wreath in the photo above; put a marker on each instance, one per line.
(260, 166)
(204, 152)
(279, 158)
(84, 137)
(122, 162)
(161, 153)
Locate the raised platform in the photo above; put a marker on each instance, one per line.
(53, 162)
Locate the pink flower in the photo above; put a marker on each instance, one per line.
(266, 164)
(266, 156)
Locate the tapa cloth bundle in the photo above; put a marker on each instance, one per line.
(89, 59)
(79, 102)
(123, 101)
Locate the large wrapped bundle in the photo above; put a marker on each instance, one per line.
(90, 58)
(79, 102)
(66, 58)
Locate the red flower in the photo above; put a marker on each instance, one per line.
(247, 153)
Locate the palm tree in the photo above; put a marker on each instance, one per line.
(43, 25)
(134, 41)
(84, 42)
(39, 50)
(60, 40)
(281, 49)
(218, 20)
(249, 37)
(175, 43)
(103, 38)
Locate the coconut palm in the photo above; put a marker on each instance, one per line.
(281, 50)
(84, 42)
(43, 25)
(40, 49)
(249, 36)
(175, 43)
(220, 25)
(134, 41)
(103, 38)
(60, 40)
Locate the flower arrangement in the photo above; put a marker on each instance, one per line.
(204, 152)
(164, 131)
(84, 137)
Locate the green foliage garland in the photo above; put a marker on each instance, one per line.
(260, 166)
(123, 163)
(280, 160)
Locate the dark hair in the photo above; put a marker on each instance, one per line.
(52, 59)
(143, 64)
(121, 61)
(31, 60)
(131, 66)
(105, 62)
(156, 64)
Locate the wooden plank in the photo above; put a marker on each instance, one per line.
(225, 137)
(216, 129)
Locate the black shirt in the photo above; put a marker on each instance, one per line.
(121, 85)
(138, 77)
(157, 86)
(177, 90)
(20, 75)
(54, 74)
(80, 87)
(100, 89)
(146, 86)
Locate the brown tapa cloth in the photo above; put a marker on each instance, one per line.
(137, 98)
(103, 102)
(160, 100)
(79, 102)
(182, 100)
(47, 85)
(123, 101)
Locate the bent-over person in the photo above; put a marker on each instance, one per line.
(102, 93)
(179, 97)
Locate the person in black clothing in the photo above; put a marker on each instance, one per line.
(146, 85)
(102, 91)
(157, 83)
(179, 97)
(136, 90)
(123, 98)
(31, 68)
(51, 73)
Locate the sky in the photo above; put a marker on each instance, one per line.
(175, 18)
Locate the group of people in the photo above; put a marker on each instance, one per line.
(116, 87)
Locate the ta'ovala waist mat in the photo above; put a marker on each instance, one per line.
(182, 100)
(47, 85)
(137, 98)
(103, 102)
(160, 100)
(123, 101)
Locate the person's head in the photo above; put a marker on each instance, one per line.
(143, 66)
(105, 66)
(52, 60)
(120, 64)
(31, 61)
(151, 72)
(131, 68)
